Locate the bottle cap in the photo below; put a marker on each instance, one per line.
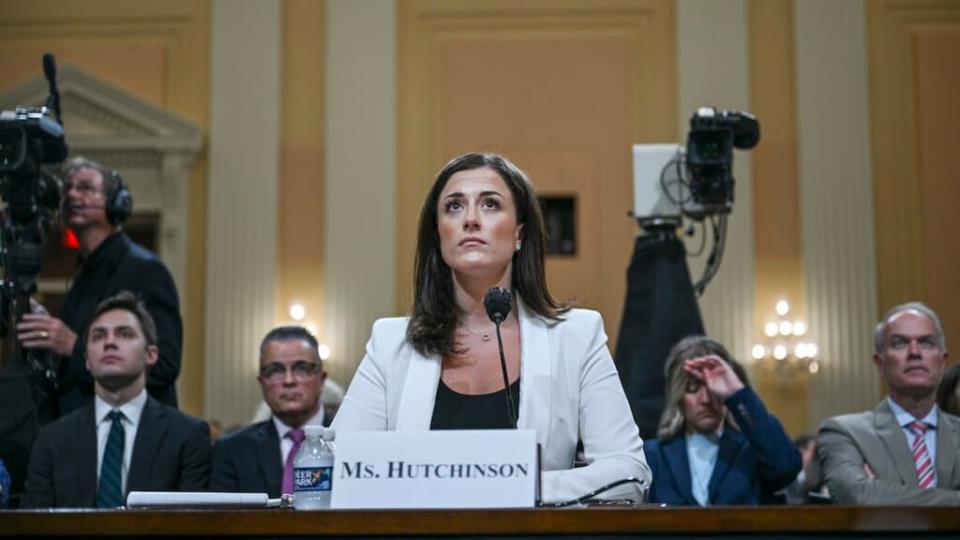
(313, 431)
(329, 434)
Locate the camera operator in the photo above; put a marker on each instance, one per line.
(95, 205)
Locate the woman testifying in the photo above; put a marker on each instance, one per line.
(439, 368)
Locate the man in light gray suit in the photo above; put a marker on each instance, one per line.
(904, 451)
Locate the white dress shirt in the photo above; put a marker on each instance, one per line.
(929, 436)
(131, 410)
(286, 444)
(702, 455)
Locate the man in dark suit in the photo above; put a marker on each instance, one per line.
(906, 450)
(95, 205)
(259, 458)
(122, 440)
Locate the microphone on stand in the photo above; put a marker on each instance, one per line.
(498, 303)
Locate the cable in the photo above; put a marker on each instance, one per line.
(598, 491)
(719, 226)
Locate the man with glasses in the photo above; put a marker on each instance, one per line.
(95, 205)
(906, 450)
(259, 458)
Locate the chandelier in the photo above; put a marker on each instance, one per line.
(785, 347)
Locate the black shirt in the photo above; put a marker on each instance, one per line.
(453, 410)
(118, 264)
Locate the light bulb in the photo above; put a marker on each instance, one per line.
(759, 351)
(297, 312)
(780, 352)
(799, 328)
(800, 350)
(782, 307)
(786, 328)
(770, 329)
(323, 351)
(811, 350)
(814, 367)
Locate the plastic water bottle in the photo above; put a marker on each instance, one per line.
(313, 470)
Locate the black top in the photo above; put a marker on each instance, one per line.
(453, 410)
(118, 264)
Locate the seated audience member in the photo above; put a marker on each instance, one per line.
(948, 392)
(331, 395)
(123, 440)
(808, 486)
(259, 458)
(481, 227)
(904, 451)
(717, 443)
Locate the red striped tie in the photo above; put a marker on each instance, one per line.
(926, 475)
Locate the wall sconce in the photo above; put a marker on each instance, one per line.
(784, 348)
(297, 314)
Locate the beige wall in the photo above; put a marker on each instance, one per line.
(914, 76)
(242, 210)
(526, 80)
(359, 209)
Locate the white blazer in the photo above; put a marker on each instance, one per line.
(569, 390)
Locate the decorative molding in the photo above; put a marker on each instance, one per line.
(360, 115)
(242, 202)
(836, 195)
(153, 148)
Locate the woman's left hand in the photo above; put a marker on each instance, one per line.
(715, 374)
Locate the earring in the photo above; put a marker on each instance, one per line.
(517, 248)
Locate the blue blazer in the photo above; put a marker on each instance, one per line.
(752, 462)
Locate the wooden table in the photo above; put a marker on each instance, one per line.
(651, 522)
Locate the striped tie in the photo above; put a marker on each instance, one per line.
(110, 490)
(926, 475)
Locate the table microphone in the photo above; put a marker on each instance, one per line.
(498, 303)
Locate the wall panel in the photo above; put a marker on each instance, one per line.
(914, 78)
(564, 89)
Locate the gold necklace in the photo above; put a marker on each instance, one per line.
(484, 336)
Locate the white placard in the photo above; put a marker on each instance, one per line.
(436, 469)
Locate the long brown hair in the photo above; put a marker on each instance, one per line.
(435, 314)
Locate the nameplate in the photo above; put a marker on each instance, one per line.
(436, 469)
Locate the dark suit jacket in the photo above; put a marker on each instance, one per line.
(171, 452)
(846, 443)
(248, 461)
(752, 462)
(117, 265)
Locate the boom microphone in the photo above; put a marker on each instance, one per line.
(50, 72)
(498, 303)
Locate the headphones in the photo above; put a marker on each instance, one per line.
(119, 204)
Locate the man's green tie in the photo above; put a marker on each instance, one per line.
(110, 490)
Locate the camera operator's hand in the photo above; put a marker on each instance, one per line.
(39, 330)
(715, 374)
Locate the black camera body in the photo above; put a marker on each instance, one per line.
(29, 139)
(713, 136)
